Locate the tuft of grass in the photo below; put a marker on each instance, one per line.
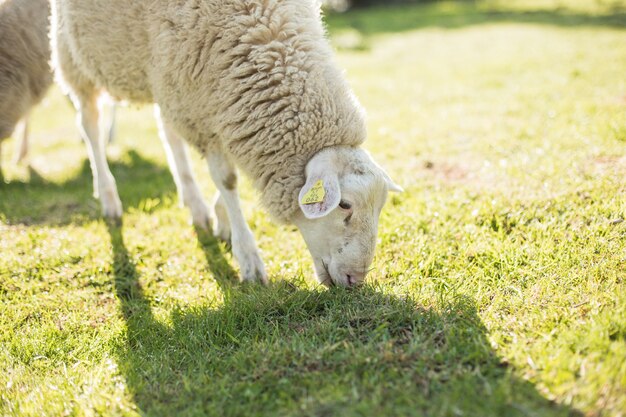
(498, 286)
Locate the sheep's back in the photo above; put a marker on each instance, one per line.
(257, 79)
(108, 44)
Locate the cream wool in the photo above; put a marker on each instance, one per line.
(255, 79)
(25, 73)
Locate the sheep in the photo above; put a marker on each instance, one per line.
(251, 84)
(25, 73)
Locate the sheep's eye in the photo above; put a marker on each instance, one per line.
(345, 205)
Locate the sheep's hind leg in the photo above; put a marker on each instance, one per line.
(188, 191)
(244, 247)
(22, 148)
(103, 181)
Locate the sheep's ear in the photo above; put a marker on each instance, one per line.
(320, 195)
(392, 186)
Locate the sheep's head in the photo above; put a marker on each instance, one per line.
(340, 203)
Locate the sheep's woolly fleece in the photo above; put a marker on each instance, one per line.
(254, 79)
(24, 59)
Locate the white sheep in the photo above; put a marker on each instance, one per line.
(25, 74)
(251, 84)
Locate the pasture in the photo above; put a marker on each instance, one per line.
(499, 284)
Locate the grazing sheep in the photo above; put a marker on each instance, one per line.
(251, 84)
(25, 73)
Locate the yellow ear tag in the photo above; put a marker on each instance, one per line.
(315, 194)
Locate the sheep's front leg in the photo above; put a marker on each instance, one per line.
(244, 247)
(188, 191)
(103, 182)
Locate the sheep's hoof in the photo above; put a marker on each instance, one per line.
(200, 216)
(222, 232)
(254, 271)
(201, 221)
(111, 205)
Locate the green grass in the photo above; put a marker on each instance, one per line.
(498, 287)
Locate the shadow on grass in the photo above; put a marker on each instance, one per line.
(221, 270)
(40, 201)
(454, 15)
(283, 350)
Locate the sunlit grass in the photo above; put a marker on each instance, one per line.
(498, 286)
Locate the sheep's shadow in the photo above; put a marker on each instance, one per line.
(283, 350)
(40, 201)
(220, 268)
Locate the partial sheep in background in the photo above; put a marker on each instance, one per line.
(25, 74)
(249, 83)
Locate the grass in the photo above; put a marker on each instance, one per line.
(498, 287)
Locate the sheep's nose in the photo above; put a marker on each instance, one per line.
(354, 277)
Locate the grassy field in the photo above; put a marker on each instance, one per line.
(499, 282)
